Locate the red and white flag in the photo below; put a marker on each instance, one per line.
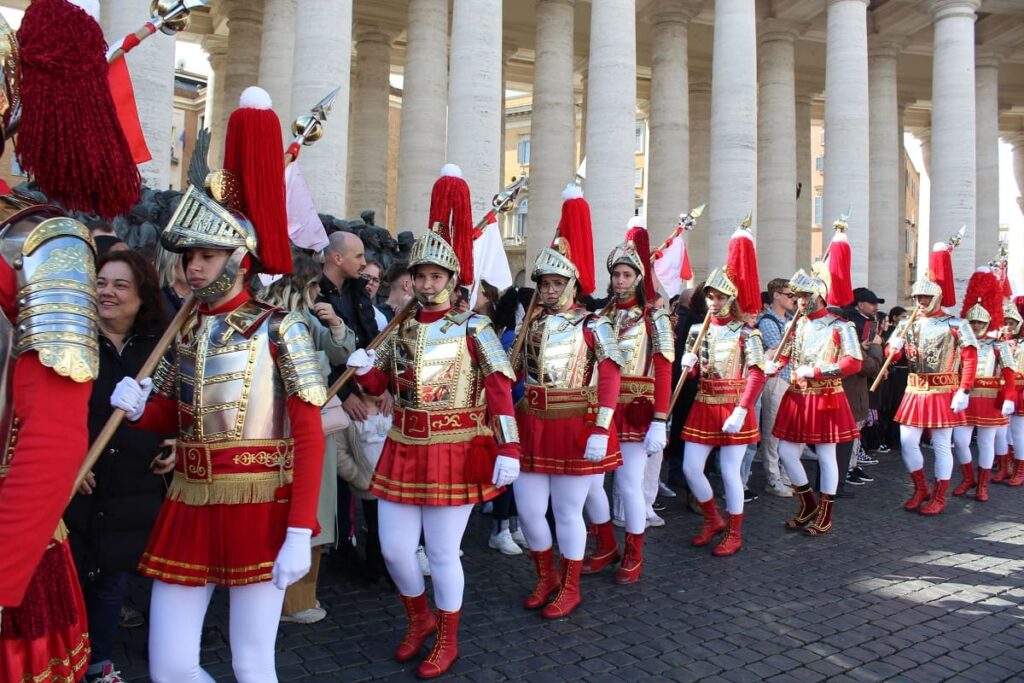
(672, 264)
(305, 228)
(124, 99)
(489, 259)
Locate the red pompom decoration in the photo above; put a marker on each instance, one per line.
(450, 205)
(642, 241)
(252, 150)
(840, 263)
(983, 288)
(70, 140)
(741, 267)
(575, 228)
(940, 263)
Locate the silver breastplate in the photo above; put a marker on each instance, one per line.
(815, 343)
(988, 358)
(432, 365)
(634, 341)
(557, 354)
(931, 346)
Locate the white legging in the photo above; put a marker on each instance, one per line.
(1017, 433)
(176, 624)
(442, 527)
(1002, 446)
(910, 444)
(962, 444)
(568, 493)
(695, 456)
(828, 469)
(987, 438)
(628, 487)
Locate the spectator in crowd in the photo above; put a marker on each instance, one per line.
(772, 323)
(864, 316)
(113, 512)
(333, 341)
(399, 289)
(373, 276)
(173, 284)
(892, 389)
(691, 311)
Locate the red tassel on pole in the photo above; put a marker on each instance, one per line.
(450, 205)
(941, 266)
(575, 228)
(642, 241)
(741, 267)
(840, 263)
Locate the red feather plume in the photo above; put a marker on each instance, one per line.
(840, 263)
(642, 241)
(983, 288)
(575, 228)
(741, 266)
(940, 263)
(450, 206)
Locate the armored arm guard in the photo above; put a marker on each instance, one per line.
(605, 343)
(1005, 355)
(753, 351)
(297, 359)
(489, 353)
(165, 379)
(662, 338)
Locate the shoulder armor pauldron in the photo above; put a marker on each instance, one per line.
(297, 358)
(605, 344)
(662, 336)
(489, 352)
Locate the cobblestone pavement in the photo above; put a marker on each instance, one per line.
(889, 595)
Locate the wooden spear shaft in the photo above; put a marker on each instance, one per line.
(686, 373)
(892, 355)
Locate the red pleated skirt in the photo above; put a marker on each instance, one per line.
(929, 411)
(226, 545)
(1019, 397)
(556, 445)
(435, 474)
(815, 418)
(704, 425)
(635, 409)
(59, 656)
(986, 405)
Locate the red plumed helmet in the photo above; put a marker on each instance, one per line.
(252, 151)
(637, 234)
(575, 228)
(940, 266)
(983, 288)
(450, 205)
(840, 263)
(741, 267)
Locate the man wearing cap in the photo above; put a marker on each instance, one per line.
(864, 316)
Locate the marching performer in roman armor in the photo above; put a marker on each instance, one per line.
(1012, 470)
(994, 395)
(243, 393)
(942, 353)
(572, 372)
(454, 441)
(54, 94)
(728, 359)
(823, 349)
(644, 337)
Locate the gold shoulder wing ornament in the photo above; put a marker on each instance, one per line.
(296, 358)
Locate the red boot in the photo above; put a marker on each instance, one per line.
(808, 507)
(713, 523)
(982, 492)
(968, 482)
(568, 597)
(547, 579)
(920, 493)
(938, 501)
(446, 646)
(421, 623)
(1018, 473)
(733, 539)
(823, 522)
(1001, 472)
(632, 562)
(607, 551)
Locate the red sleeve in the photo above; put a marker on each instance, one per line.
(755, 382)
(895, 356)
(375, 381)
(662, 383)
(1009, 388)
(609, 377)
(968, 367)
(46, 458)
(309, 460)
(161, 416)
(499, 399)
(8, 290)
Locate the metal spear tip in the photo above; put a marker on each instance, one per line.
(745, 223)
(192, 4)
(955, 240)
(324, 106)
(696, 212)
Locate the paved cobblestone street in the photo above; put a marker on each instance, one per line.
(889, 595)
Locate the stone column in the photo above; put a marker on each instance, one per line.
(953, 129)
(901, 259)
(421, 147)
(152, 69)
(1018, 169)
(611, 125)
(323, 60)
(242, 68)
(474, 101)
(277, 59)
(669, 148)
(885, 222)
(805, 178)
(986, 103)
(700, 166)
(581, 154)
(776, 147)
(216, 48)
(553, 123)
(846, 128)
(733, 175)
(368, 143)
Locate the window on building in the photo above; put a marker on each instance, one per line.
(819, 163)
(638, 177)
(821, 135)
(817, 209)
(523, 151)
(639, 137)
(517, 234)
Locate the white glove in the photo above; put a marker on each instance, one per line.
(771, 368)
(362, 360)
(131, 396)
(896, 343)
(960, 400)
(805, 372)
(657, 438)
(597, 448)
(293, 559)
(1009, 407)
(506, 470)
(688, 360)
(734, 422)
